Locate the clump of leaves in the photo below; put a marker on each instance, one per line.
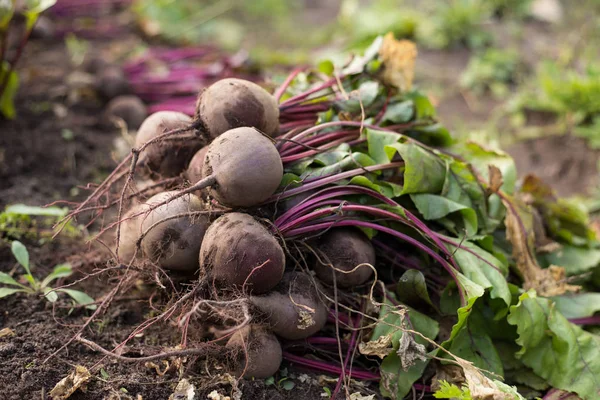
(361, 23)
(492, 70)
(230, 24)
(456, 22)
(9, 80)
(28, 284)
(20, 221)
(503, 8)
(573, 95)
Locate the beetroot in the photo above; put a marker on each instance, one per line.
(259, 352)
(194, 169)
(166, 158)
(238, 251)
(344, 248)
(293, 309)
(130, 231)
(233, 103)
(174, 243)
(128, 108)
(245, 166)
(112, 82)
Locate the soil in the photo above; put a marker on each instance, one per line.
(563, 161)
(59, 142)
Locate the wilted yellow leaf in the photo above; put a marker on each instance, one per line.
(380, 347)
(519, 231)
(398, 57)
(69, 384)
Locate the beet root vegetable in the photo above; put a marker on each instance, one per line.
(112, 82)
(194, 170)
(172, 239)
(240, 252)
(129, 108)
(344, 249)
(242, 168)
(233, 103)
(130, 231)
(293, 309)
(166, 158)
(262, 351)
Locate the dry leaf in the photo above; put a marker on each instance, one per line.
(480, 386)
(546, 282)
(68, 385)
(449, 373)
(410, 351)
(359, 396)
(381, 347)
(184, 391)
(6, 332)
(496, 179)
(214, 395)
(398, 57)
(538, 188)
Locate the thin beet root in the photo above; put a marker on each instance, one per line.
(293, 309)
(262, 350)
(233, 103)
(166, 158)
(345, 249)
(238, 251)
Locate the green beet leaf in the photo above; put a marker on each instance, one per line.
(482, 268)
(579, 305)
(555, 349)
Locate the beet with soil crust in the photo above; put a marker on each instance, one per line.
(166, 158)
(259, 352)
(344, 248)
(175, 243)
(246, 167)
(293, 309)
(238, 251)
(233, 103)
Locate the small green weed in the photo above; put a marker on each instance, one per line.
(20, 221)
(572, 95)
(30, 285)
(492, 70)
(454, 23)
(9, 79)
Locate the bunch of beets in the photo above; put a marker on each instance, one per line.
(224, 226)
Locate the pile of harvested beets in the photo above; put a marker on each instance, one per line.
(340, 205)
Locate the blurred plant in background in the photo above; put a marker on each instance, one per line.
(491, 70)
(16, 25)
(503, 8)
(456, 22)
(572, 95)
(231, 25)
(360, 24)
